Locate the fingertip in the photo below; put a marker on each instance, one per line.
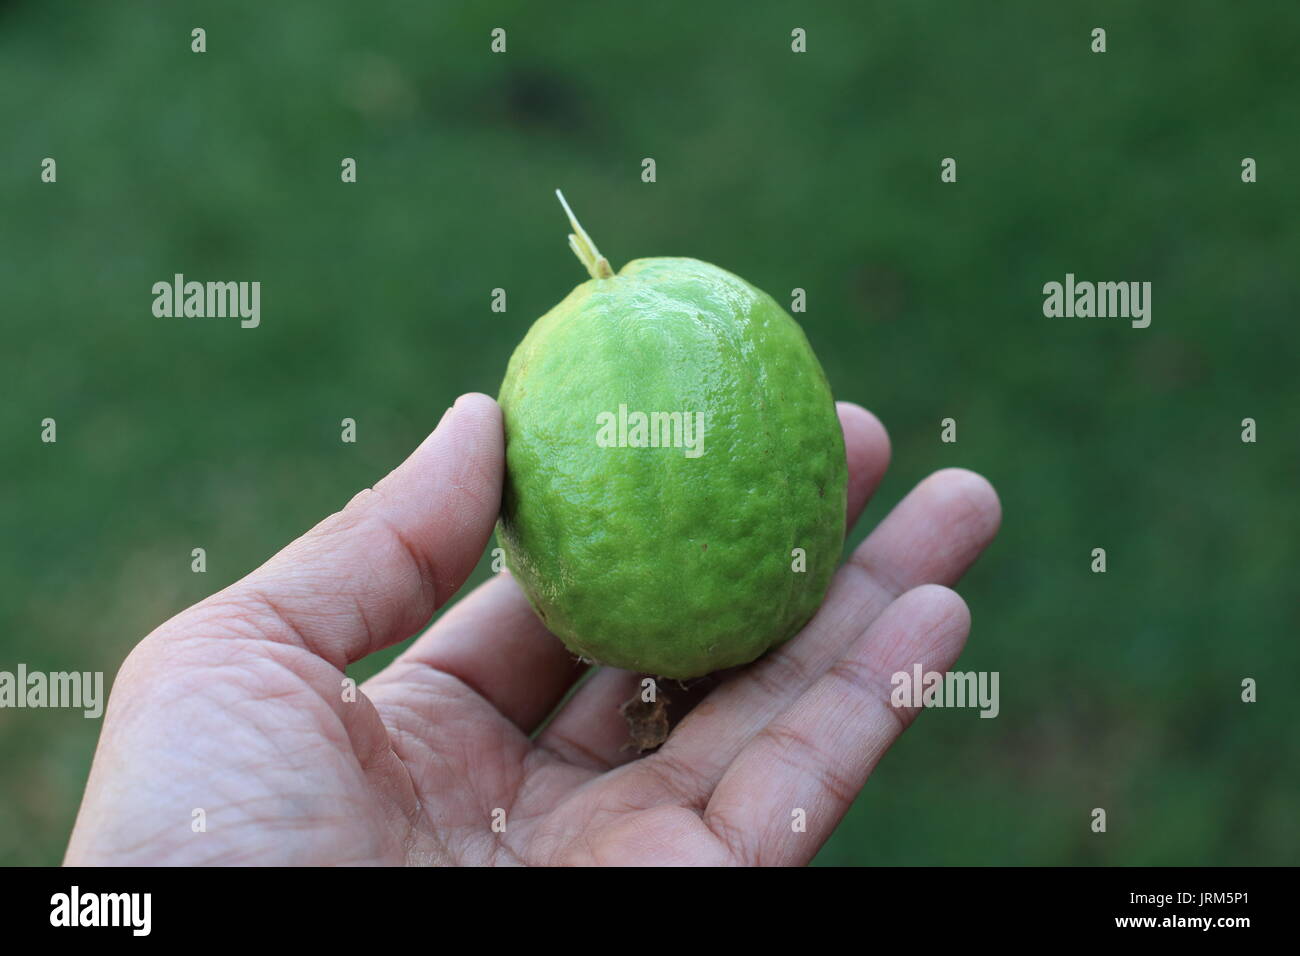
(445, 497)
(939, 603)
(477, 401)
(473, 409)
(867, 452)
(961, 486)
(864, 436)
(927, 624)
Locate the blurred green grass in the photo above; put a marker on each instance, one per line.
(818, 171)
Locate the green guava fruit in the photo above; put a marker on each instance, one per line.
(675, 475)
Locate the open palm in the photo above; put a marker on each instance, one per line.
(233, 736)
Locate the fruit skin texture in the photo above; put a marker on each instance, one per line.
(641, 557)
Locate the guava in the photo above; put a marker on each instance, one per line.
(675, 484)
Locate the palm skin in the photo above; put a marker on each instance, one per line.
(233, 737)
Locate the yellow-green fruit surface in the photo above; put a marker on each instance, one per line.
(681, 559)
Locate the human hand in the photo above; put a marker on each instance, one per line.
(237, 706)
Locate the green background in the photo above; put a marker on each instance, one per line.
(818, 171)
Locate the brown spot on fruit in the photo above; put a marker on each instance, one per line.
(647, 722)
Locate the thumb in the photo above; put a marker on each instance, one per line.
(374, 573)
